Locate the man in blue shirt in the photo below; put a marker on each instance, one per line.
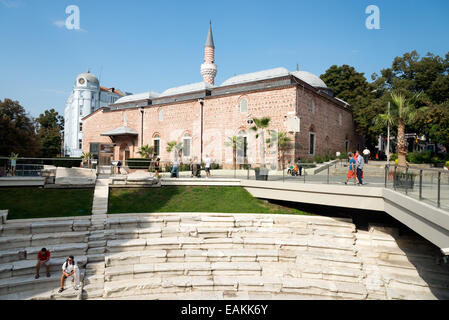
(359, 165)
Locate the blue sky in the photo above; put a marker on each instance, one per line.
(138, 45)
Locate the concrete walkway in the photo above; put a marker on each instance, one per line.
(101, 194)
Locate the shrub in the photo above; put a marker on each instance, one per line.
(139, 164)
(447, 164)
(393, 157)
(215, 166)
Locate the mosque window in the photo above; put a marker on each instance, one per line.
(161, 115)
(156, 145)
(311, 143)
(244, 105)
(186, 144)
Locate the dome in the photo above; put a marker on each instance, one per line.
(256, 76)
(309, 78)
(198, 86)
(90, 78)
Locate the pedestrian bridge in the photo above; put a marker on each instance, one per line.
(429, 221)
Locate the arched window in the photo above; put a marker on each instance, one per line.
(161, 115)
(244, 105)
(156, 144)
(242, 146)
(311, 141)
(186, 145)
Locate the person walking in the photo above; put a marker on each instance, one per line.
(156, 167)
(366, 154)
(175, 169)
(351, 169)
(207, 164)
(298, 163)
(359, 167)
(119, 164)
(43, 258)
(70, 268)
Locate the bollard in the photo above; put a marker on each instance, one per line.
(420, 184)
(439, 185)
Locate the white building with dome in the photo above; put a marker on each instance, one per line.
(86, 97)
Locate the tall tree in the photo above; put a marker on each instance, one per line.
(17, 131)
(50, 125)
(403, 112)
(260, 125)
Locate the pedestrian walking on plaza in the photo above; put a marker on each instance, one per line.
(359, 166)
(156, 167)
(70, 268)
(119, 164)
(43, 258)
(351, 170)
(366, 154)
(298, 163)
(207, 164)
(175, 170)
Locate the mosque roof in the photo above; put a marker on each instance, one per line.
(305, 76)
(120, 131)
(138, 97)
(198, 86)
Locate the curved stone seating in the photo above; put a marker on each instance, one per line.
(221, 256)
(21, 240)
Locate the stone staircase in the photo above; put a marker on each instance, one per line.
(220, 256)
(21, 240)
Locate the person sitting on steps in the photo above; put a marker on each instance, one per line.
(43, 258)
(70, 268)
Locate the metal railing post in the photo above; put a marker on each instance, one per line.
(327, 174)
(406, 180)
(420, 184)
(439, 185)
(283, 173)
(386, 174)
(394, 178)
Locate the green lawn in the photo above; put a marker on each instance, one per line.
(24, 203)
(191, 199)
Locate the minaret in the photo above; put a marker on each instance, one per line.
(209, 68)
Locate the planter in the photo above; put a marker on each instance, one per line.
(261, 174)
(404, 181)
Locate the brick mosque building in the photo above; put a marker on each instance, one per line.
(203, 116)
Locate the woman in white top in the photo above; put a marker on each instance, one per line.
(207, 163)
(70, 268)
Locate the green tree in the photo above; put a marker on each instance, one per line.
(402, 112)
(146, 151)
(283, 143)
(49, 128)
(17, 130)
(236, 143)
(260, 125)
(175, 147)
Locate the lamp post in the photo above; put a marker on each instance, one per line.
(388, 135)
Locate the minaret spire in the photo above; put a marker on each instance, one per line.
(209, 68)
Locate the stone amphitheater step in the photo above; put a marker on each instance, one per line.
(29, 283)
(42, 239)
(48, 226)
(170, 269)
(30, 253)
(28, 267)
(267, 287)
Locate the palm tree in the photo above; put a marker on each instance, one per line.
(86, 156)
(175, 146)
(237, 143)
(402, 113)
(283, 143)
(259, 127)
(146, 151)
